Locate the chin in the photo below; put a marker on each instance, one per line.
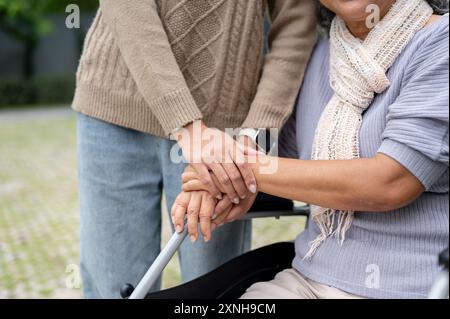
(351, 10)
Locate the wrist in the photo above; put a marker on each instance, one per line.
(185, 136)
(250, 133)
(247, 141)
(256, 138)
(193, 126)
(255, 163)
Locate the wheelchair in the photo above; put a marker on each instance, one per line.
(232, 279)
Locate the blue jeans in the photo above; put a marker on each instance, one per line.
(122, 175)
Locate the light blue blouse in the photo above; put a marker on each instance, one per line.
(390, 254)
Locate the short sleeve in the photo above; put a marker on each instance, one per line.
(417, 128)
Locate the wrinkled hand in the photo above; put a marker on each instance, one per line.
(199, 207)
(222, 213)
(236, 212)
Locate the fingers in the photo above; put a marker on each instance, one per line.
(223, 206)
(220, 178)
(189, 169)
(248, 176)
(179, 212)
(221, 219)
(236, 213)
(246, 147)
(194, 186)
(189, 176)
(199, 207)
(236, 179)
(193, 212)
(206, 212)
(179, 209)
(205, 178)
(223, 180)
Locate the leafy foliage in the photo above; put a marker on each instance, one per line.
(27, 21)
(24, 19)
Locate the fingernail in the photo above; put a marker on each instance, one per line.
(193, 238)
(243, 197)
(236, 200)
(221, 225)
(252, 188)
(207, 239)
(219, 197)
(179, 229)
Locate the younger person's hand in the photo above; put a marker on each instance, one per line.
(210, 151)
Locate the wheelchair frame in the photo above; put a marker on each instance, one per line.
(440, 288)
(154, 272)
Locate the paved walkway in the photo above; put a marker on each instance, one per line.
(12, 115)
(38, 204)
(39, 220)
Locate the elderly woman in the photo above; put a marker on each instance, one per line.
(372, 133)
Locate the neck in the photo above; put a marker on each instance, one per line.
(360, 30)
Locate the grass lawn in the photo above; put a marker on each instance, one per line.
(39, 212)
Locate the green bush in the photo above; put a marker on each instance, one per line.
(58, 6)
(38, 91)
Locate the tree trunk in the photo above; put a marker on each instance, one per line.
(28, 59)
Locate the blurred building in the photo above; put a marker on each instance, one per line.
(57, 53)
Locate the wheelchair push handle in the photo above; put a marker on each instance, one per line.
(440, 288)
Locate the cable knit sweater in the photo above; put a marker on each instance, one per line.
(157, 65)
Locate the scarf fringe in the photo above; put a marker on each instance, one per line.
(329, 227)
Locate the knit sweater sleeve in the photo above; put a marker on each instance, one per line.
(291, 41)
(144, 45)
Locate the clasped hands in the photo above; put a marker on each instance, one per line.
(219, 185)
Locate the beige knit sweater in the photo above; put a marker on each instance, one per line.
(157, 65)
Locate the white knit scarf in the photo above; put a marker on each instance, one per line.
(357, 72)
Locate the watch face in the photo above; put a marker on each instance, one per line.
(254, 135)
(263, 141)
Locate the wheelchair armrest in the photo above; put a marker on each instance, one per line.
(265, 203)
(267, 206)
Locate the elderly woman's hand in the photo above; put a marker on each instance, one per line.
(199, 207)
(223, 213)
